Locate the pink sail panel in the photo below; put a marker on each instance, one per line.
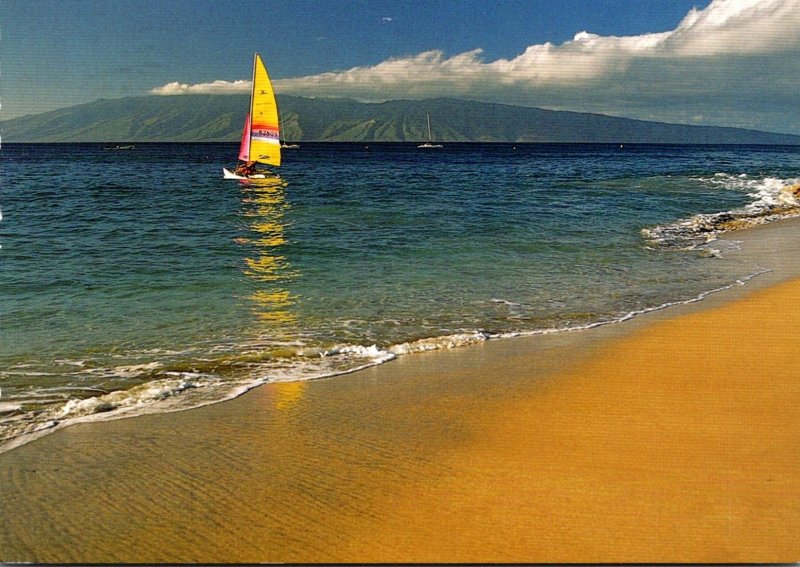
(244, 148)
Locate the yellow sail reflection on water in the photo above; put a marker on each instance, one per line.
(288, 394)
(274, 306)
(269, 271)
(265, 207)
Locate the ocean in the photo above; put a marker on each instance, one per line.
(137, 281)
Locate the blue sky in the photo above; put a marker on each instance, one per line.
(726, 62)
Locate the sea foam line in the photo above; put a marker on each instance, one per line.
(635, 313)
(773, 199)
(167, 394)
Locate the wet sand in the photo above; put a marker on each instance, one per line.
(670, 438)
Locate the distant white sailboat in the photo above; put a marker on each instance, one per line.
(287, 145)
(429, 143)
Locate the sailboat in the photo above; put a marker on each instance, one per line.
(429, 143)
(261, 134)
(287, 145)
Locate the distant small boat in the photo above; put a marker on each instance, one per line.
(261, 136)
(126, 147)
(429, 143)
(287, 145)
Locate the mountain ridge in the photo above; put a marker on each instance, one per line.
(219, 118)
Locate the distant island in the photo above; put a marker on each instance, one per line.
(219, 118)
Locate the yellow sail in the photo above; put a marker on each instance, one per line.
(265, 136)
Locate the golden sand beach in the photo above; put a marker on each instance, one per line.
(670, 438)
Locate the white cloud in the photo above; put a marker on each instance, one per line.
(726, 27)
(722, 62)
(217, 87)
(737, 26)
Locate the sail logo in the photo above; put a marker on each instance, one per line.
(265, 134)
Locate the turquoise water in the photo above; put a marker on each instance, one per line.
(140, 280)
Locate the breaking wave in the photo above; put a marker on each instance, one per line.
(175, 390)
(171, 387)
(772, 199)
(170, 383)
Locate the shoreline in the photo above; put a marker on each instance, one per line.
(433, 344)
(425, 459)
(466, 339)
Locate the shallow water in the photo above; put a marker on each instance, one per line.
(140, 280)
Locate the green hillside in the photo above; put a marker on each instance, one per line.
(212, 118)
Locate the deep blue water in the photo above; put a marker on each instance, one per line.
(136, 280)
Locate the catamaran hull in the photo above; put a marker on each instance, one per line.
(228, 174)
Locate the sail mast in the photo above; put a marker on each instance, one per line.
(430, 138)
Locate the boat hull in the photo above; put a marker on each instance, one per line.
(228, 174)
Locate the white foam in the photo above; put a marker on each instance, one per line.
(79, 363)
(175, 391)
(8, 407)
(436, 343)
(630, 315)
(772, 199)
(136, 369)
(372, 352)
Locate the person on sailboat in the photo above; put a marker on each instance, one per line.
(246, 169)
